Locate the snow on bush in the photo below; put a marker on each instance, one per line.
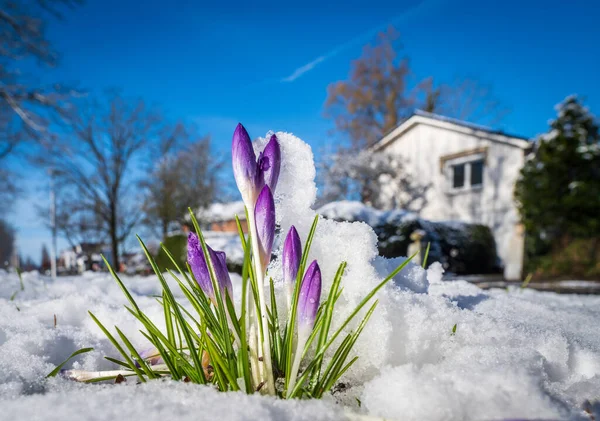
(462, 248)
(513, 354)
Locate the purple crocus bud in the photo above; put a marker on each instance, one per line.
(308, 300)
(292, 253)
(246, 172)
(264, 215)
(269, 162)
(196, 260)
(201, 271)
(151, 356)
(219, 260)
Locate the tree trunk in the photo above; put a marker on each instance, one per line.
(165, 230)
(114, 241)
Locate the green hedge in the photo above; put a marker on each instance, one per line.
(177, 246)
(461, 248)
(572, 258)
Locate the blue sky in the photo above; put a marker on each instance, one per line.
(268, 64)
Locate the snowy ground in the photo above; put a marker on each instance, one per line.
(515, 353)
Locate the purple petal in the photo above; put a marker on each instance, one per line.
(151, 356)
(264, 215)
(270, 163)
(221, 272)
(198, 264)
(200, 268)
(244, 165)
(292, 253)
(310, 294)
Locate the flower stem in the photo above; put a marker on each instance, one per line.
(264, 349)
(302, 337)
(253, 345)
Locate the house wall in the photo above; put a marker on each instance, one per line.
(422, 149)
(228, 226)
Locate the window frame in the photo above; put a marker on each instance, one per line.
(471, 163)
(453, 174)
(466, 159)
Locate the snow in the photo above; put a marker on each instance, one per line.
(221, 212)
(515, 353)
(229, 242)
(348, 210)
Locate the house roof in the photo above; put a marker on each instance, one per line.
(223, 212)
(447, 123)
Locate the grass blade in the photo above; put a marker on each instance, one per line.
(54, 372)
(426, 256)
(116, 344)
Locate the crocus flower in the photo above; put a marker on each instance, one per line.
(252, 174)
(292, 253)
(308, 304)
(308, 300)
(151, 356)
(270, 163)
(245, 169)
(264, 215)
(200, 268)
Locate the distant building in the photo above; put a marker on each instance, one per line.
(220, 217)
(469, 173)
(83, 257)
(135, 262)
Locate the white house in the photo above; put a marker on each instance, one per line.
(468, 172)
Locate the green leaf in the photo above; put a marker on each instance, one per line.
(21, 279)
(118, 362)
(328, 315)
(111, 338)
(291, 325)
(426, 256)
(243, 351)
(169, 295)
(121, 284)
(218, 360)
(168, 319)
(142, 363)
(526, 281)
(54, 372)
(332, 372)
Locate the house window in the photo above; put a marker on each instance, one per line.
(458, 176)
(464, 171)
(476, 173)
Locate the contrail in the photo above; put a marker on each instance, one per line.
(408, 14)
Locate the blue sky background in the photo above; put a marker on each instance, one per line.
(268, 64)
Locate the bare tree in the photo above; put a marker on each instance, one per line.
(186, 177)
(375, 98)
(74, 220)
(7, 238)
(45, 262)
(93, 167)
(363, 175)
(465, 99)
(27, 109)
